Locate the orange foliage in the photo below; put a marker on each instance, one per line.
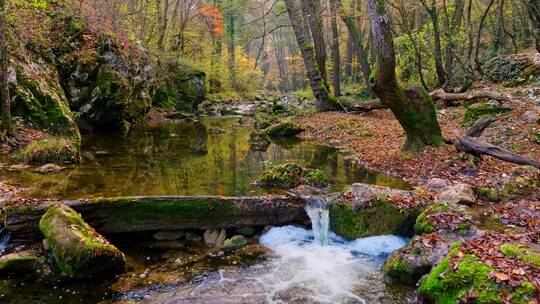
(213, 19)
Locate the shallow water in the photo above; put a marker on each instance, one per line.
(184, 158)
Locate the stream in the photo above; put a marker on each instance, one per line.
(212, 156)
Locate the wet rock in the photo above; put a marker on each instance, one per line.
(214, 237)
(21, 262)
(408, 264)
(236, 241)
(436, 184)
(216, 131)
(245, 231)
(79, 251)
(365, 210)
(457, 194)
(285, 128)
(49, 168)
(168, 235)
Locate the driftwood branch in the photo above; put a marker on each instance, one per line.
(469, 145)
(469, 96)
(480, 125)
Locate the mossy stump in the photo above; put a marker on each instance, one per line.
(79, 251)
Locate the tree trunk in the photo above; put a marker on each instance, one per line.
(434, 16)
(4, 63)
(324, 101)
(163, 26)
(457, 19)
(336, 75)
(479, 35)
(356, 36)
(534, 13)
(413, 108)
(312, 8)
(231, 47)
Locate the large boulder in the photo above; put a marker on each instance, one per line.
(79, 251)
(458, 193)
(365, 210)
(181, 86)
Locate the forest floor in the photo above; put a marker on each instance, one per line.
(375, 139)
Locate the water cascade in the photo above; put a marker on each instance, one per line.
(320, 219)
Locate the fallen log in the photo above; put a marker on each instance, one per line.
(137, 214)
(469, 96)
(480, 125)
(367, 106)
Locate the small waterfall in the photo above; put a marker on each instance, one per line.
(320, 220)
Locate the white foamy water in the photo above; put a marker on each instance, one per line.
(322, 273)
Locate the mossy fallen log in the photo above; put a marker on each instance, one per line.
(79, 251)
(136, 214)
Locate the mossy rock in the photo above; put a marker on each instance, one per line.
(316, 178)
(521, 252)
(284, 176)
(285, 128)
(428, 222)
(478, 110)
(377, 217)
(490, 194)
(236, 241)
(447, 284)
(50, 150)
(181, 86)
(79, 251)
(19, 263)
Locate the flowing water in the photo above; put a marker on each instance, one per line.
(184, 158)
(308, 266)
(192, 158)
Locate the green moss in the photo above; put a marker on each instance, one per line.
(423, 225)
(400, 270)
(489, 194)
(286, 128)
(476, 111)
(131, 210)
(77, 248)
(317, 178)
(282, 176)
(17, 263)
(535, 138)
(51, 150)
(521, 252)
(378, 217)
(446, 285)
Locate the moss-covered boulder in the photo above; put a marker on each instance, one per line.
(79, 251)
(470, 278)
(38, 98)
(181, 86)
(365, 210)
(287, 176)
(285, 128)
(259, 141)
(49, 150)
(22, 263)
(443, 216)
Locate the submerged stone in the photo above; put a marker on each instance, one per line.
(49, 168)
(214, 237)
(236, 241)
(168, 235)
(285, 128)
(79, 251)
(19, 263)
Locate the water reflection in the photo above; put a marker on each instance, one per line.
(182, 158)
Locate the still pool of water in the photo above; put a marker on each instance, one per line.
(184, 158)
